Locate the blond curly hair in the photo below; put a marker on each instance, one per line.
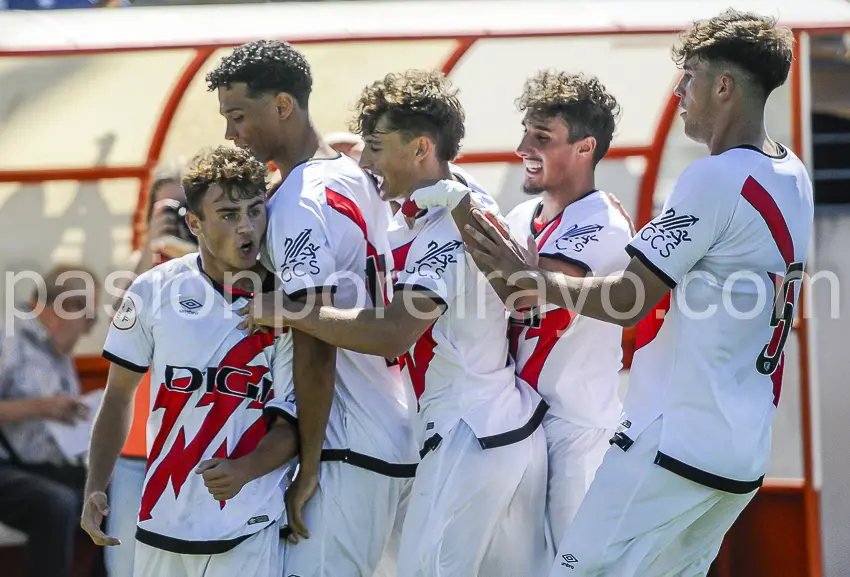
(235, 171)
(582, 102)
(753, 42)
(415, 103)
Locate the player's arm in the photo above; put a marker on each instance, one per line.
(313, 375)
(388, 332)
(515, 298)
(109, 434)
(665, 250)
(224, 478)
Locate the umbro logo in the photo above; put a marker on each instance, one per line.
(190, 306)
(569, 561)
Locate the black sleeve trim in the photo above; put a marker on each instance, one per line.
(425, 291)
(302, 293)
(575, 262)
(270, 412)
(636, 253)
(112, 358)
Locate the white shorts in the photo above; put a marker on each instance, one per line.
(640, 520)
(575, 453)
(351, 520)
(478, 512)
(256, 555)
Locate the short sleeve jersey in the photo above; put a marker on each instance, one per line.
(210, 390)
(327, 232)
(460, 368)
(573, 361)
(731, 242)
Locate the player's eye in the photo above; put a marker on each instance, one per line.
(237, 118)
(254, 212)
(228, 216)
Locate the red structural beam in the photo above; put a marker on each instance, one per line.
(160, 134)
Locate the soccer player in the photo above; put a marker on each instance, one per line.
(327, 241)
(212, 497)
(478, 499)
(572, 360)
(731, 244)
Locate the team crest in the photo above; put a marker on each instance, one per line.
(435, 262)
(668, 231)
(299, 258)
(577, 237)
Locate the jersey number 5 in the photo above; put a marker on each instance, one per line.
(781, 319)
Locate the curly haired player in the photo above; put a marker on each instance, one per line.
(729, 248)
(478, 500)
(211, 496)
(326, 240)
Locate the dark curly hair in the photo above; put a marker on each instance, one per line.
(753, 42)
(415, 103)
(582, 102)
(265, 66)
(234, 170)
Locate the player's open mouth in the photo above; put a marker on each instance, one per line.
(533, 167)
(246, 248)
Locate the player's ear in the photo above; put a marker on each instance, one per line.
(423, 147)
(193, 221)
(587, 146)
(285, 104)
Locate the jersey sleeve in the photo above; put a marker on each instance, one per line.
(129, 340)
(301, 245)
(436, 262)
(692, 220)
(588, 244)
(283, 404)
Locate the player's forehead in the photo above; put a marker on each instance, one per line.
(540, 120)
(220, 199)
(234, 97)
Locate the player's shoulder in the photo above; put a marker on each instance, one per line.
(319, 182)
(483, 199)
(715, 178)
(153, 284)
(525, 209)
(598, 210)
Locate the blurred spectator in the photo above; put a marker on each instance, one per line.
(167, 236)
(41, 492)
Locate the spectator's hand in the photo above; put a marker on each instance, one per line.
(95, 509)
(297, 495)
(61, 407)
(222, 477)
(163, 220)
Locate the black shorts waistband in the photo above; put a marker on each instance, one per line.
(184, 547)
(396, 470)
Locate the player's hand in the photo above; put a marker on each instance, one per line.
(95, 508)
(299, 492)
(224, 478)
(447, 192)
(62, 408)
(266, 310)
(622, 210)
(493, 252)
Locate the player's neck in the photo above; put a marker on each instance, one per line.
(556, 200)
(746, 128)
(431, 175)
(221, 274)
(304, 143)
